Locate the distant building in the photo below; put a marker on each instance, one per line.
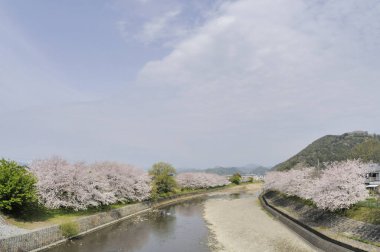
(373, 179)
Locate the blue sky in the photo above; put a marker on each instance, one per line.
(195, 83)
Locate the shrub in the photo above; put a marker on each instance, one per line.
(163, 178)
(236, 178)
(17, 187)
(69, 229)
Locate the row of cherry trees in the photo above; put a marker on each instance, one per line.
(79, 185)
(339, 186)
(198, 180)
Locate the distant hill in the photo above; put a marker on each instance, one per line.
(248, 169)
(358, 144)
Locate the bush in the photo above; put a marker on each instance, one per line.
(17, 187)
(163, 178)
(236, 178)
(69, 229)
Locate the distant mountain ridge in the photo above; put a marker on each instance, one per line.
(357, 144)
(220, 170)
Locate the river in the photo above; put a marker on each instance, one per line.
(179, 227)
(195, 225)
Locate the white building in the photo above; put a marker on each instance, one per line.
(373, 179)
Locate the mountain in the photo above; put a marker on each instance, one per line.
(247, 169)
(357, 144)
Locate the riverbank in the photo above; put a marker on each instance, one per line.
(358, 234)
(46, 236)
(242, 225)
(46, 218)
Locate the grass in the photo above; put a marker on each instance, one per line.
(366, 211)
(363, 213)
(301, 200)
(40, 217)
(370, 203)
(69, 229)
(296, 199)
(364, 241)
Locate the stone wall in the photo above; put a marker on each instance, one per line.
(2, 221)
(318, 240)
(342, 229)
(31, 240)
(42, 237)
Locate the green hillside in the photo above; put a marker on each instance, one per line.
(358, 144)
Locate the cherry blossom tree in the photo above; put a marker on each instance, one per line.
(275, 181)
(79, 185)
(197, 180)
(339, 186)
(126, 182)
(57, 185)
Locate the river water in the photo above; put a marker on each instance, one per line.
(179, 227)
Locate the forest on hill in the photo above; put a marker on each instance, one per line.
(353, 145)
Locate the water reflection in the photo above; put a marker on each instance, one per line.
(163, 221)
(173, 228)
(187, 208)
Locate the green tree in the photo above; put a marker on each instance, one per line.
(236, 178)
(17, 187)
(367, 151)
(163, 178)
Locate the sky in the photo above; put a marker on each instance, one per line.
(198, 83)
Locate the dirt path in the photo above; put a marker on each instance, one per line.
(242, 225)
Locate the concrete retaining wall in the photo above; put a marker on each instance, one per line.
(42, 237)
(317, 239)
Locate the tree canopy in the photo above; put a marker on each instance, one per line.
(163, 178)
(17, 186)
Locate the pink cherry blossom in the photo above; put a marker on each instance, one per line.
(197, 180)
(338, 186)
(79, 185)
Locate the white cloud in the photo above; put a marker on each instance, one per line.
(162, 23)
(278, 54)
(159, 27)
(255, 82)
(275, 67)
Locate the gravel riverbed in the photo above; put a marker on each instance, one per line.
(242, 225)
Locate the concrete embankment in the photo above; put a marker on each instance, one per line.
(324, 230)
